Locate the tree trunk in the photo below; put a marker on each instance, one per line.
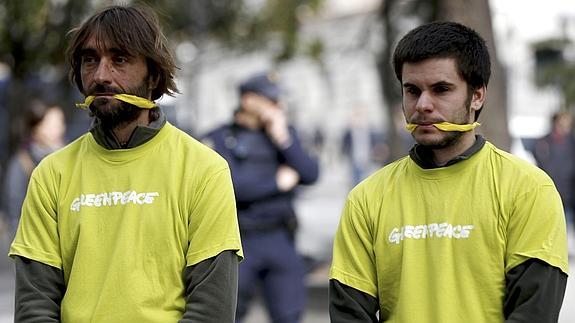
(477, 15)
(390, 14)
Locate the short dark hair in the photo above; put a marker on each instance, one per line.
(446, 40)
(34, 111)
(135, 29)
(263, 84)
(559, 115)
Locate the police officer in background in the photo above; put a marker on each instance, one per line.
(267, 163)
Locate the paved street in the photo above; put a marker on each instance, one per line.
(6, 284)
(6, 296)
(318, 211)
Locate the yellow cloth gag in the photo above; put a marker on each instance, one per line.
(446, 126)
(131, 99)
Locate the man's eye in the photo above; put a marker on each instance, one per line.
(120, 59)
(86, 59)
(440, 89)
(412, 90)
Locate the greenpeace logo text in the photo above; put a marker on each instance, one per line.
(112, 199)
(430, 231)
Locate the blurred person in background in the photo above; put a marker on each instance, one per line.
(135, 221)
(365, 147)
(555, 154)
(43, 127)
(459, 230)
(267, 163)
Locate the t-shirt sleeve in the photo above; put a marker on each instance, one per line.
(37, 236)
(353, 261)
(213, 224)
(536, 229)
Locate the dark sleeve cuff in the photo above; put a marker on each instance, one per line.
(39, 291)
(349, 305)
(211, 289)
(534, 292)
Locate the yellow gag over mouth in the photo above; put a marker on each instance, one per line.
(131, 99)
(446, 126)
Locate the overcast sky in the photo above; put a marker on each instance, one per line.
(532, 19)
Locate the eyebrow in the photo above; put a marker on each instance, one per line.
(443, 83)
(87, 51)
(113, 50)
(119, 51)
(409, 85)
(440, 83)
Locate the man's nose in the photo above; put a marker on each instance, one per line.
(424, 102)
(103, 74)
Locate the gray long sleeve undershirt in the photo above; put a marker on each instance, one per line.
(212, 289)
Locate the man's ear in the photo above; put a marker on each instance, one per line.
(478, 98)
(153, 81)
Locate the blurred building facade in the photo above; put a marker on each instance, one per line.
(518, 26)
(318, 94)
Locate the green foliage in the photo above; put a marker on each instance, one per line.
(32, 32)
(553, 70)
(315, 49)
(242, 24)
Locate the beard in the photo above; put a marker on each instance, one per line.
(112, 112)
(447, 138)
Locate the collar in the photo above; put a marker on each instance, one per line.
(423, 156)
(105, 137)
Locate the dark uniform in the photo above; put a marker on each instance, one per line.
(266, 216)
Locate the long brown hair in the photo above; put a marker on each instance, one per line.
(135, 29)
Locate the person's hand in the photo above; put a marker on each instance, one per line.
(270, 116)
(275, 124)
(286, 178)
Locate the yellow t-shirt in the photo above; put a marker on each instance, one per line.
(434, 245)
(124, 224)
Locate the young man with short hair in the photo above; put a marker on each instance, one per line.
(458, 231)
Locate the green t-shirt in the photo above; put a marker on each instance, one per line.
(434, 245)
(124, 224)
